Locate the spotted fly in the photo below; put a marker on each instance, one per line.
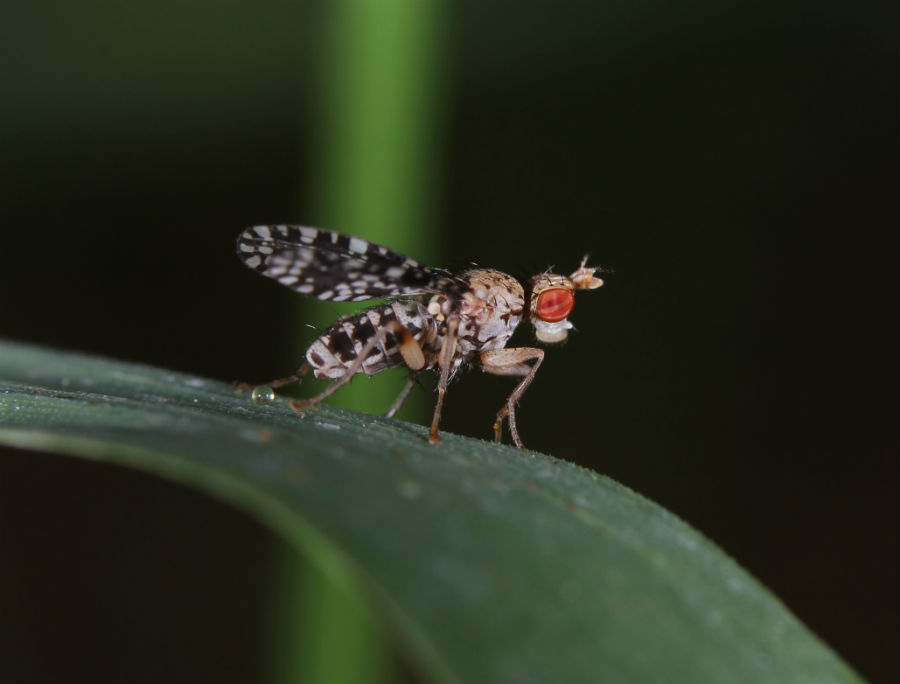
(435, 320)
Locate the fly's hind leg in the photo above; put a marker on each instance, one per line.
(274, 384)
(412, 354)
(512, 362)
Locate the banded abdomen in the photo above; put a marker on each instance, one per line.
(337, 348)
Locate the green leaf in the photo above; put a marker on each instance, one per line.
(491, 563)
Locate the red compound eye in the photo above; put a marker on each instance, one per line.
(555, 305)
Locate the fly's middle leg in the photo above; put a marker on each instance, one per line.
(445, 363)
(398, 402)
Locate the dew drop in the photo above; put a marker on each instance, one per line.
(263, 395)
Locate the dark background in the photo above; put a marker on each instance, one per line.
(736, 165)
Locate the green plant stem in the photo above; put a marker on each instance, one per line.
(374, 178)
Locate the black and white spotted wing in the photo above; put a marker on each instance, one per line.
(335, 267)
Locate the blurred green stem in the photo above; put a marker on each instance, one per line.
(374, 178)
(327, 632)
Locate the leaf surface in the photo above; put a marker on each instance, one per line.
(492, 563)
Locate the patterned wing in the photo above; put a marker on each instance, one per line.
(335, 267)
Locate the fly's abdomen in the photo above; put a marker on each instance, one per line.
(335, 351)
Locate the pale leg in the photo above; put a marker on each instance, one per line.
(445, 362)
(274, 384)
(398, 402)
(511, 362)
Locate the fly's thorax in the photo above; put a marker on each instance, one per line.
(442, 305)
(552, 298)
(490, 309)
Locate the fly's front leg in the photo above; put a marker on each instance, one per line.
(412, 354)
(274, 384)
(511, 362)
(445, 363)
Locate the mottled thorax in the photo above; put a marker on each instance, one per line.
(490, 309)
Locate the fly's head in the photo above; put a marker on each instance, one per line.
(552, 300)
